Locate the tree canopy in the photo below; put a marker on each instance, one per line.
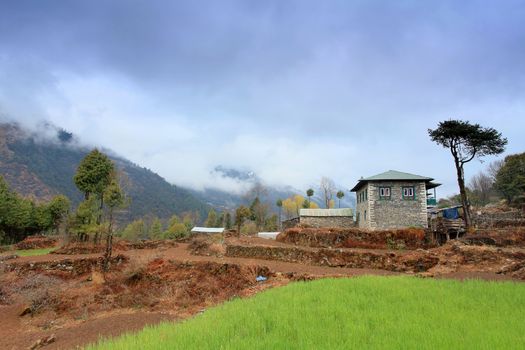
(510, 179)
(465, 142)
(94, 173)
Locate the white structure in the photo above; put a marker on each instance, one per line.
(268, 235)
(207, 230)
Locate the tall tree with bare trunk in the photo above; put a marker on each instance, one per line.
(467, 141)
(328, 188)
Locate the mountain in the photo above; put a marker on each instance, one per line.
(43, 164)
(248, 180)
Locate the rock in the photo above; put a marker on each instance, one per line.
(43, 342)
(25, 311)
(8, 257)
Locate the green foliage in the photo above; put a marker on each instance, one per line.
(33, 252)
(20, 217)
(211, 221)
(228, 221)
(241, 214)
(510, 179)
(156, 230)
(134, 231)
(466, 140)
(248, 228)
(177, 230)
(309, 193)
(306, 204)
(272, 223)
(174, 219)
(367, 312)
(114, 197)
(58, 209)
(94, 173)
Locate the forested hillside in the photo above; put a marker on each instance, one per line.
(42, 167)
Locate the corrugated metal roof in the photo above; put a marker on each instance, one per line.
(396, 175)
(268, 235)
(392, 175)
(327, 212)
(207, 229)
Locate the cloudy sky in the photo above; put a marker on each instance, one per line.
(292, 90)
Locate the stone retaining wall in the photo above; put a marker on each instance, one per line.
(418, 261)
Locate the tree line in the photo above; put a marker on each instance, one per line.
(20, 217)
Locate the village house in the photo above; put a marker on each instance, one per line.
(393, 199)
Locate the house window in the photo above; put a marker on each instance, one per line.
(366, 195)
(409, 193)
(384, 192)
(365, 215)
(358, 217)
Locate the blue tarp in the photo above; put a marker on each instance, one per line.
(452, 213)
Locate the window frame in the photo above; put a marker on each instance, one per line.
(408, 198)
(385, 198)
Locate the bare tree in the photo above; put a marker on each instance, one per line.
(328, 189)
(494, 168)
(481, 186)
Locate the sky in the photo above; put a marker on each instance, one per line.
(292, 90)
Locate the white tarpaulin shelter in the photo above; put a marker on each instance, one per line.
(207, 230)
(268, 235)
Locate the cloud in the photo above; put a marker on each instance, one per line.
(291, 90)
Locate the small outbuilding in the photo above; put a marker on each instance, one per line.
(207, 230)
(341, 217)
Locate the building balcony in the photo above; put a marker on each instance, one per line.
(431, 202)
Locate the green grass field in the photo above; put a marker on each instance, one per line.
(354, 313)
(32, 252)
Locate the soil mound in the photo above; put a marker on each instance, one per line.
(36, 242)
(411, 238)
(120, 245)
(416, 261)
(457, 256)
(499, 238)
(205, 247)
(65, 268)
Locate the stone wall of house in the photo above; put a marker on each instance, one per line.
(397, 212)
(363, 208)
(328, 221)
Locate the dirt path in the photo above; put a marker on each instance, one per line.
(15, 334)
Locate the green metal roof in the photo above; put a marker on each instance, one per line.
(391, 175)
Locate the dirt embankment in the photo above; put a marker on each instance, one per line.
(416, 261)
(467, 256)
(456, 256)
(36, 242)
(410, 238)
(53, 296)
(512, 237)
(119, 245)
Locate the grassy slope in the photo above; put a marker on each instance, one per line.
(33, 252)
(364, 312)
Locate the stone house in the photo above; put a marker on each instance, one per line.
(342, 217)
(393, 199)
